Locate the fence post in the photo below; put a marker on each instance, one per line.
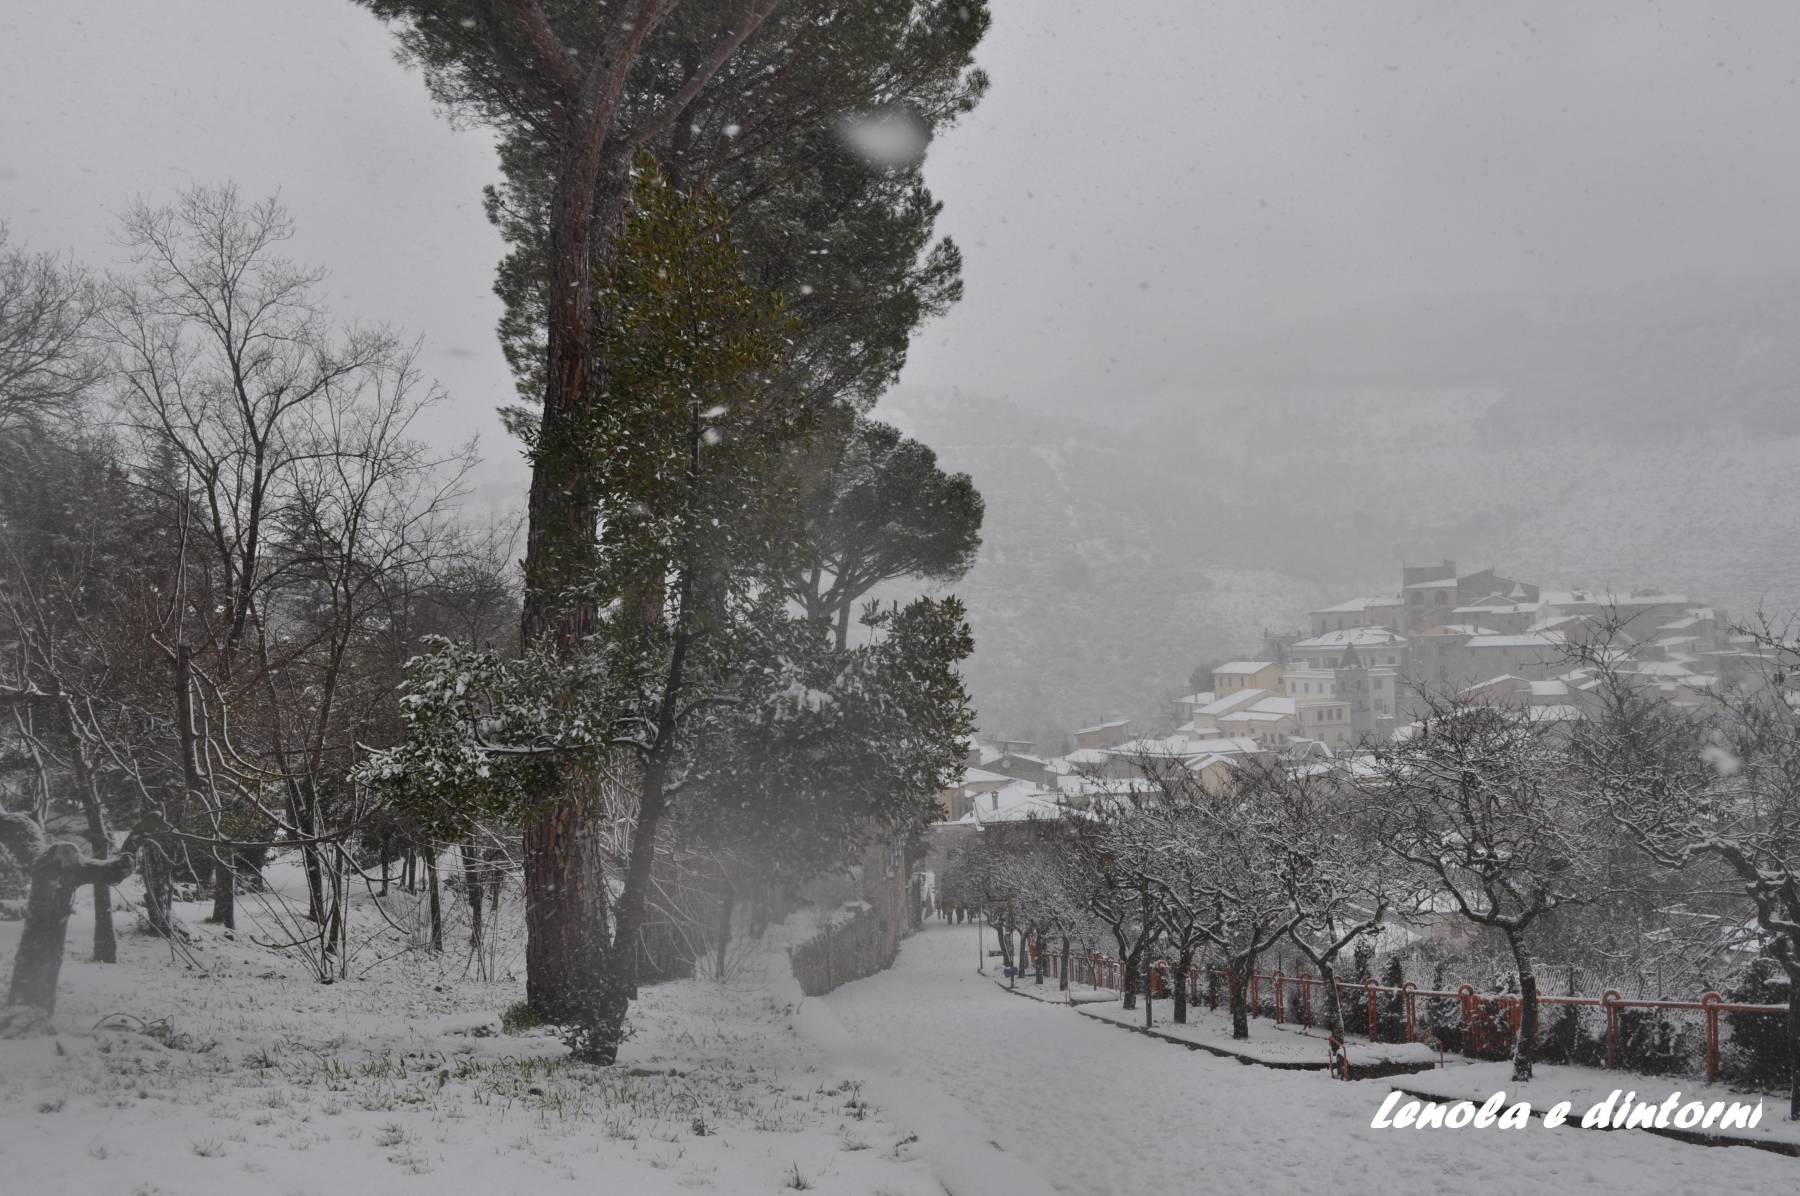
(1374, 1013)
(1465, 998)
(1710, 1002)
(1409, 990)
(1610, 999)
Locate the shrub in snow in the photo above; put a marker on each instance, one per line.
(1756, 1054)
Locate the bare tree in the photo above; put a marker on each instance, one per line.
(1478, 796)
(285, 447)
(47, 310)
(1723, 791)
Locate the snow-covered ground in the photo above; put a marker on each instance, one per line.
(1098, 1111)
(235, 1073)
(241, 1075)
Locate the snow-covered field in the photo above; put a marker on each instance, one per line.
(242, 1075)
(235, 1073)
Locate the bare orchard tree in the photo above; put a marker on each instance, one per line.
(1110, 861)
(47, 310)
(1479, 796)
(1212, 858)
(1339, 881)
(1719, 792)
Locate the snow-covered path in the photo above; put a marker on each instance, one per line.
(1098, 1110)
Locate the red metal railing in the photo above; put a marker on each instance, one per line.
(1479, 1015)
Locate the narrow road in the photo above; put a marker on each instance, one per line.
(1103, 1111)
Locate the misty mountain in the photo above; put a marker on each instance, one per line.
(1647, 438)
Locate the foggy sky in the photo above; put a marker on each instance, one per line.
(1145, 180)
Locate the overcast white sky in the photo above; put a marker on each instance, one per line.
(1145, 178)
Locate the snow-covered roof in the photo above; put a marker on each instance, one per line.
(981, 776)
(1254, 715)
(1232, 701)
(1538, 639)
(1357, 637)
(1199, 699)
(1225, 745)
(1244, 667)
(1656, 668)
(1015, 803)
(1436, 583)
(1117, 722)
(1357, 605)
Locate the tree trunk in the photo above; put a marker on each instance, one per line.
(1129, 980)
(1334, 1008)
(1525, 1042)
(158, 889)
(472, 890)
(56, 873)
(224, 911)
(727, 901)
(1180, 995)
(600, 1037)
(1237, 977)
(106, 939)
(1792, 967)
(437, 913)
(384, 864)
(565, 913)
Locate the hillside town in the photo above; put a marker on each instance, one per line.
(1366, 668)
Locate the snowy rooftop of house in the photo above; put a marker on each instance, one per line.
(1551, 622)
(1466, 629)
(1500, 680)
(1685, 623)
(1434, 584)
(1353, 637)
(1117, 722)
(1226, 745)
(1015, 803)
(1254, 715)
(1243, 667)
(1497, 604)
(1549, 689)
(1232, 701)
(1356, 605)
(1200, 699)
(1147, 745)
(1266, 709)
(1657, 668)
(1541, 639)
(981, 776)
(1610, 598)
